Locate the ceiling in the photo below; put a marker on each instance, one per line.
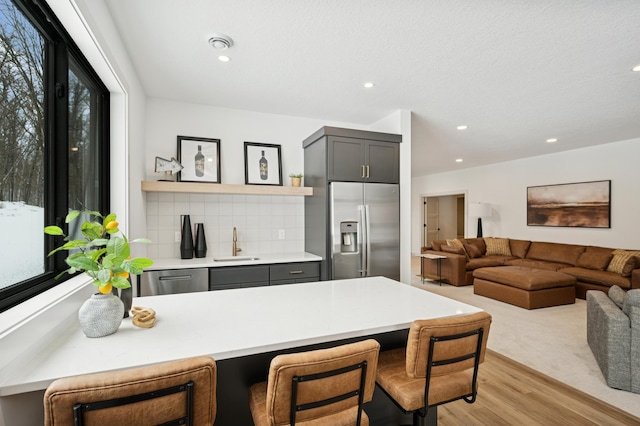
(516, 73)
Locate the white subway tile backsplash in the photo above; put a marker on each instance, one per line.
(258, 219)
(181, 197)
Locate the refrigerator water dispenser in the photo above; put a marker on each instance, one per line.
(348, 237)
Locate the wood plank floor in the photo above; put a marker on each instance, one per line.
(510, 393)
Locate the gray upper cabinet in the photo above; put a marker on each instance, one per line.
(351, 159)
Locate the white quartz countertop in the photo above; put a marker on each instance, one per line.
(240, 260)
(233, 323)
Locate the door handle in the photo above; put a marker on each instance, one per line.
(362, 175)
(367, 172)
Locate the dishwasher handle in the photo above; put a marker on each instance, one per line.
(175, 278)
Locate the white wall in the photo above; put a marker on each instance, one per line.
(504, 186)
(258, 218)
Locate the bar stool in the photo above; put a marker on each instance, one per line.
(439, 364)
(321, 387)
(179, 392)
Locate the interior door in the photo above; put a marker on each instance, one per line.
(432, 215)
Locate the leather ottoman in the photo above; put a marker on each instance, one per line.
(525, 287)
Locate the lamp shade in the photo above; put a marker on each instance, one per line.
(479, 210)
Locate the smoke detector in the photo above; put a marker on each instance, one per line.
(220, 41)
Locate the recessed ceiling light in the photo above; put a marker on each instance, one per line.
(458, 160)
(368, 85)
(552, 140)
(463, 127)
(636, 68)
(223, 58)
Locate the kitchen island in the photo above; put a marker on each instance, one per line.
(242, 329)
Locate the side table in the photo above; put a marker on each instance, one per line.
(438, 258)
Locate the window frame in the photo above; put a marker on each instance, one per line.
(59, 47)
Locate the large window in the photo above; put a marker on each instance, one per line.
(53, 144)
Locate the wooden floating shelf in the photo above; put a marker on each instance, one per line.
(223, 188)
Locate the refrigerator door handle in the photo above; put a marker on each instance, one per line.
(363, 252)
(367, 242)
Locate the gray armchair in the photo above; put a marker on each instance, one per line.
(613, 334)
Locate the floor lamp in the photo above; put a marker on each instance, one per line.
(479, 210)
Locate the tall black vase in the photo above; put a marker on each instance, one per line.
(201, 241)
(186, 242)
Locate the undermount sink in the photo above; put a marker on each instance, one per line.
(234, 258)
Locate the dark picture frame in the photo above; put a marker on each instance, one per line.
(262, 164)
(584, 205)
(200, 158)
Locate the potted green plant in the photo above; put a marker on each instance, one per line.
(104, 254)
(296, 179)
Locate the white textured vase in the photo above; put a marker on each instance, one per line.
(101, 315)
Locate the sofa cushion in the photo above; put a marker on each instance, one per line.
(486, 261)
(537, 264)
(594, 260)
(617, 295)
(620, 257)
(498, 246)
(555, 252)
(632, 263)
(602, 278)
(597, 249)
(525, 278)
(478, 242)
(472, 250)
(454, 250)
(519, 248)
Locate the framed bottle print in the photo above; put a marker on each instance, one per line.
(200, 158)
(262, 164)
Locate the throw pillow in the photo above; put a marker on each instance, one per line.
(455, 243)
(436, 245)
(620, 257)
(632, 263)
(472, 251)
(497, 246)
(616, 294)
(593, 260)
(455, 250)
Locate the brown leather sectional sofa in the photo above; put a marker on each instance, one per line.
(595, 268)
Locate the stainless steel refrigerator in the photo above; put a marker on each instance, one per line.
(365, 230)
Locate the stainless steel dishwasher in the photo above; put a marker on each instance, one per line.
(173, 281)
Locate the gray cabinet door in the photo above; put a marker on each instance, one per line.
(291, 273)
(238, 277)
(382, 162)
(346, 159)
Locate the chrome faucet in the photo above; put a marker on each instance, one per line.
(236, 249)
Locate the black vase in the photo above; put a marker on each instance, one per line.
(201, 241)
(186, 242)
